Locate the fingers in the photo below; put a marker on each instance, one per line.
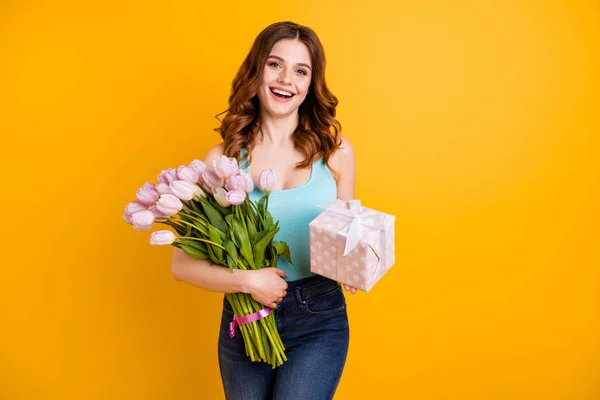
(349, 289)
(276, 303)
(281, 272)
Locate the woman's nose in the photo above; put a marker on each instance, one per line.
(284, 77)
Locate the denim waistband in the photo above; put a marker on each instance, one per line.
(310, 287)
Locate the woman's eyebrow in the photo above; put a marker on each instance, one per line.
(282, 60)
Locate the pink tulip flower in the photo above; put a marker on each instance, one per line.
(169, 204)
(131, 208)
(241, 181)
(198, 166)
(187, 174)
(236, 197)
(248, 183)
(266, 180)
(147, 196)
(162, 238)
(142, 220)
(162, 177)
(212, 180)
(221, 197)
(156, 212)
(171, 175)
(225, 166)
(148, 185)
(186, 190)
(134, 206)
(163, 188)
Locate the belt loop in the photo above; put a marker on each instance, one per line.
(301, 302)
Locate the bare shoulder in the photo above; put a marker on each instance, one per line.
(343, 162)
(214, 152)
(343, 158)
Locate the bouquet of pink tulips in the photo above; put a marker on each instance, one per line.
(213, 218)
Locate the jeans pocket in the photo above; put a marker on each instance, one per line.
(329, 302)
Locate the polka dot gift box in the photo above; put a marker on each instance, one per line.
(352, 244)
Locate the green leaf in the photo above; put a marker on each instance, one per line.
(232, 256)
(214, 236)
(261, 202)
(283, 250)
(213, 257)
(261, 245)
(242, 240)
(215, 217)
(188, 228)
(198, 245)
(268, 220)
(251, 228)
(260, 235)
(193, 252)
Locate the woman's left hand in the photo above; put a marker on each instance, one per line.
(349, 289)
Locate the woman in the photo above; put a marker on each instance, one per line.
(281, 116)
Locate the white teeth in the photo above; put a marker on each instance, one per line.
(282, 92)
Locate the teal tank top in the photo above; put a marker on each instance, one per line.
(295, 208)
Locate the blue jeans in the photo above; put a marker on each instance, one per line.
(313, 325)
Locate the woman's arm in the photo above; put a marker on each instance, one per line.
(203, 273)
(265, 285)
(344, 163)
(206, 275)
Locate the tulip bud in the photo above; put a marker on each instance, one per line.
(171, 175)
(266, 180)
(163, 188)
(236, 197)
(147, 196)
(183, 189)
(148, 185)
(187, 174)
(212, 180)
(169, 204)
(198, 166)
(156, 212)
(225, 166)
(134, 206)
(162, 238)
(162, 177)
(235, 182)
(131, 208)
(142, 220)
(221, 197)
(248, 183)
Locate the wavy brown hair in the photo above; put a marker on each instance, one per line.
(318, 132)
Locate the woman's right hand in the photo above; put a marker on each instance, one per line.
(266, 285)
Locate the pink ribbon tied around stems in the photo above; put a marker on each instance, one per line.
(247, 319)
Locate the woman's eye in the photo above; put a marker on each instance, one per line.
(272, 63)
(302, 71)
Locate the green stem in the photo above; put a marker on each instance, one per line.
(240, 310)
(198, 219)
(257, 212)
(257, 335)
(193, 226)
(202, 240)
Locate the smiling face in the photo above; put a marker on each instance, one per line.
(286, 78)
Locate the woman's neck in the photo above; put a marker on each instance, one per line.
(277, 132)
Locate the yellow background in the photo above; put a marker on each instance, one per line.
(473, 123)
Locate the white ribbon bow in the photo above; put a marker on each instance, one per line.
(357, 217)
